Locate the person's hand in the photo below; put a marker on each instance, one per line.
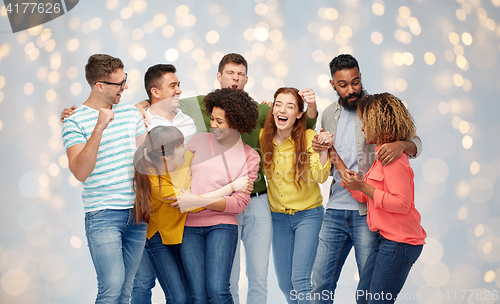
(309, 97)
(326, 138)
(105, 117)
(142, 110)
(389, 152)
(243, 184)
(67, 112)
(352, 180)
(185, 200)
(316, 145)
(269, 103)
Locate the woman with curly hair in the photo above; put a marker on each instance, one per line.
(293, 170)
(210, 236)
(389, 193)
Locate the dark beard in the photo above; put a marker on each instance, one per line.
(350, 107)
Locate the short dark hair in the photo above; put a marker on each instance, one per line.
(100, 66)
(154, 76)
(234, 58)
(343, 62)
(240, 110)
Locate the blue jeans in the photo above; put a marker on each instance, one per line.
(207, 255)
(295, 240)
(255, 229)
(341, 230)
(144, 282)
(116, 243)
(386, 270)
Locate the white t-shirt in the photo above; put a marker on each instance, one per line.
(181, 121)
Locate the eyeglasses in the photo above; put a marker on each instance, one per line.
(121, 84)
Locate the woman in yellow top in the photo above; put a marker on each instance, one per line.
(162, 168)
(293, 170)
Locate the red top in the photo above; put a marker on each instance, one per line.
(392, 210)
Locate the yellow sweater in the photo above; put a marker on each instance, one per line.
(168, 220)
(284, 196)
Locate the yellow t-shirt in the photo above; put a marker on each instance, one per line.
(284, 196)
(168, 220)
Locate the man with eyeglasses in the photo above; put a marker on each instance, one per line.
(100, 139)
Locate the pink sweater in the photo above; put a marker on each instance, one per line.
(392, 210)
(209, 174)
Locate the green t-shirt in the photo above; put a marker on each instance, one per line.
(193, 106)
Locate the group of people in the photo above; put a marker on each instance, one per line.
(172, 187)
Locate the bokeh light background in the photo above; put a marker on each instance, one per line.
(440, 57)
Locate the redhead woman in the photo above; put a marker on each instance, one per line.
(293, 171)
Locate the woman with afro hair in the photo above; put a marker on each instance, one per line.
(220, 157)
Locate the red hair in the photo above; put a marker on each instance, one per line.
(298, 135)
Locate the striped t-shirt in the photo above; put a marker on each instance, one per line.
(109, 186)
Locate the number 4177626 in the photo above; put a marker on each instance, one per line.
(42, 8)
(471, 294)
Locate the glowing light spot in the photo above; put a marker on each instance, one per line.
(490, 24)
(45, 35)
(1, 96)
(171, 55)
(489, 276)
(74, 23)
(331, 13)
(212, 37)
(2, 82)
(186, 45)
(76, 88)
(272, 55)
(29, 88)
(467, 142)
(467, 85)
(53, 169)
(459, 50)
(341, 39)
(261, 9)
(168, 31)
(487, 247)
(258, 49)
(268, 83)
(182, 11)
(467, 38)
(50, 45)
(462, 62)
(73, 44)
(323, 81)
(404, 12)
(479, 230)
(50, 95)
(189, 20)
(408, 58)
(345, 31)
(462, 213)
(261, 34)
(159, 19)
(378, 9)
(198, 54)
(53, 77)
(53, 121)
(63, 161)
(75, 242)
(1, 125)
(318, 56)
(29, 115)
(326, 33)
(435, 171)
(111, 4)
(398, 59)
(429, 58)
(116, 25)
(377, 37)
(72, 72)
(221, 20)
(213, 9)
(95, 23)
(73, 181)
(402, 36)
(458, 80)
(454, 38)
(281, 70)
(436, 275)
(137, 34)
(15, 282)
(275, 35)
(433, 251)
(401, 85)
(414, 26)
(461, 14)
(463, 127)
(126, 13)
(55, 61)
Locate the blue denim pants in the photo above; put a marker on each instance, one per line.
(386, 270)
(144, 282)
(341, 230)
(295, 240)
(116, 244)
(254, 229)
(207, 256)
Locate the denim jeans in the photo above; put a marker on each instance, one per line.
(341, 230)
(254, 229)
(116, 244)
(207, 255)
(295, 241)
(386, 270)
(144, 282)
